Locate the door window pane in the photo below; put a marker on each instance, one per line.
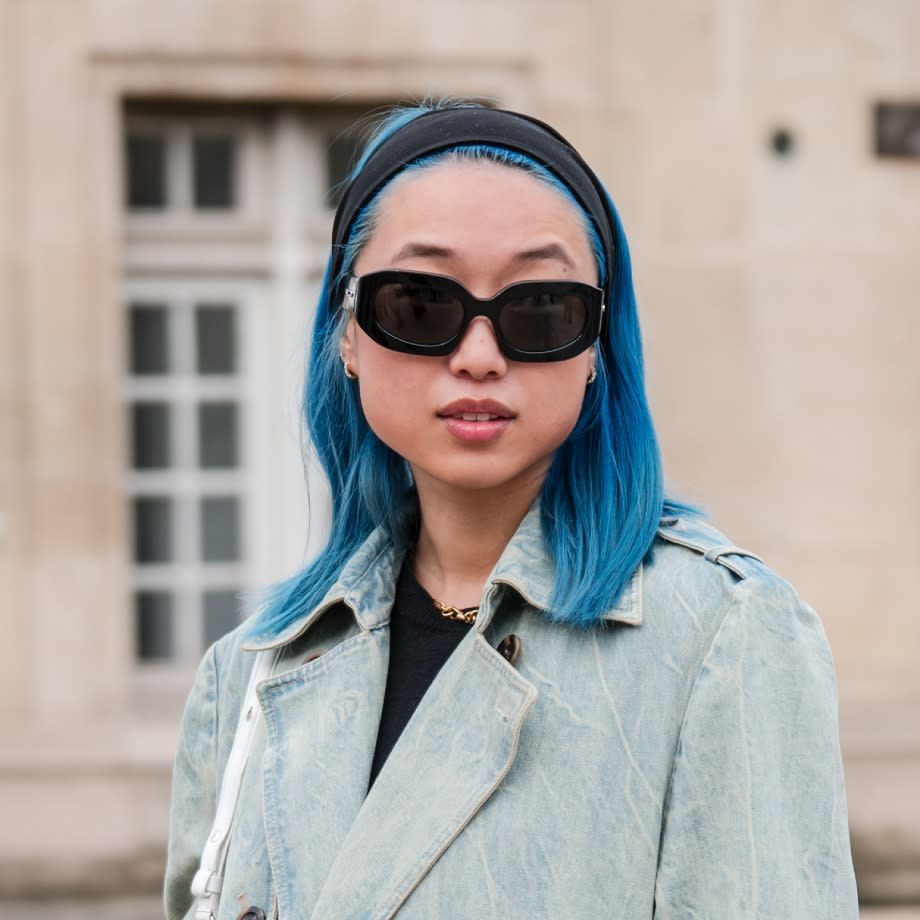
(152, 530)
(213, 169)
(154, 624)
(150, 435)
(148, 339)
(217, 435)
(221, 614)
(220, 529)
(215, 333)
(146, 172)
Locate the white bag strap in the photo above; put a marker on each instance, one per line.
(208, 879)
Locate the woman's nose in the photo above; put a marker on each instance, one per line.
(478, 354)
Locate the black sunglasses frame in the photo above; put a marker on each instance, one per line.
(362, 289)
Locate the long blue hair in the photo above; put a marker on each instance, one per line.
(603, 496)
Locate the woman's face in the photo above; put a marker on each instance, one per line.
(487, 226)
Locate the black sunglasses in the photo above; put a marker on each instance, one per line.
(422, 314)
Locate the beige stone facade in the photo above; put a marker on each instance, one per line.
(778, 294)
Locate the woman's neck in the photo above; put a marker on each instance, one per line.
(461, 536)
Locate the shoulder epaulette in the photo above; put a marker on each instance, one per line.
(709, 543)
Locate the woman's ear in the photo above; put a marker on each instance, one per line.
(592, 364)
(347, 349)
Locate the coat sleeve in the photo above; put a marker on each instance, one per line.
(755, 821)
(194, 790)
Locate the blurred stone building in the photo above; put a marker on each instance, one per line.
(167, 177)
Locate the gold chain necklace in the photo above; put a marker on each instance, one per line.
(462, 614)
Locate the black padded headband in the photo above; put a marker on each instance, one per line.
(444, 128)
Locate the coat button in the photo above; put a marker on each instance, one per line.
(510, 648)
(252, 913)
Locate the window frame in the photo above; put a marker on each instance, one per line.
(180, 217)
(274, 248)
(185, 481)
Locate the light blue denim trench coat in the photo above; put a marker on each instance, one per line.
(682, 761)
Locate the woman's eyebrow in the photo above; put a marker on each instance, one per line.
(422, 250)
(543, 253)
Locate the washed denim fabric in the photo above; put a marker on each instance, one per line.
(682, 761)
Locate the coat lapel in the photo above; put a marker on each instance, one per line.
(321, 721)
(450, 758)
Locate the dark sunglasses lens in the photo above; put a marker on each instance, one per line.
(418, 313)
(544, 322)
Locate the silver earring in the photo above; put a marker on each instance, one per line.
(349, 373)
(592, 375)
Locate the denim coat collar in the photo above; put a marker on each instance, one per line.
(367, 583)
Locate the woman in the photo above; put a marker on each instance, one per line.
(517, 682)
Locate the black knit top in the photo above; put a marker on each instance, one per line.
(421, 640)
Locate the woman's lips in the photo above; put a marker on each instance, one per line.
(476, 431)
(477, 420)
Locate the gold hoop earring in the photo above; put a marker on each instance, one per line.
(592, 375)
(349, 373)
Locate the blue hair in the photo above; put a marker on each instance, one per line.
(603, 496)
